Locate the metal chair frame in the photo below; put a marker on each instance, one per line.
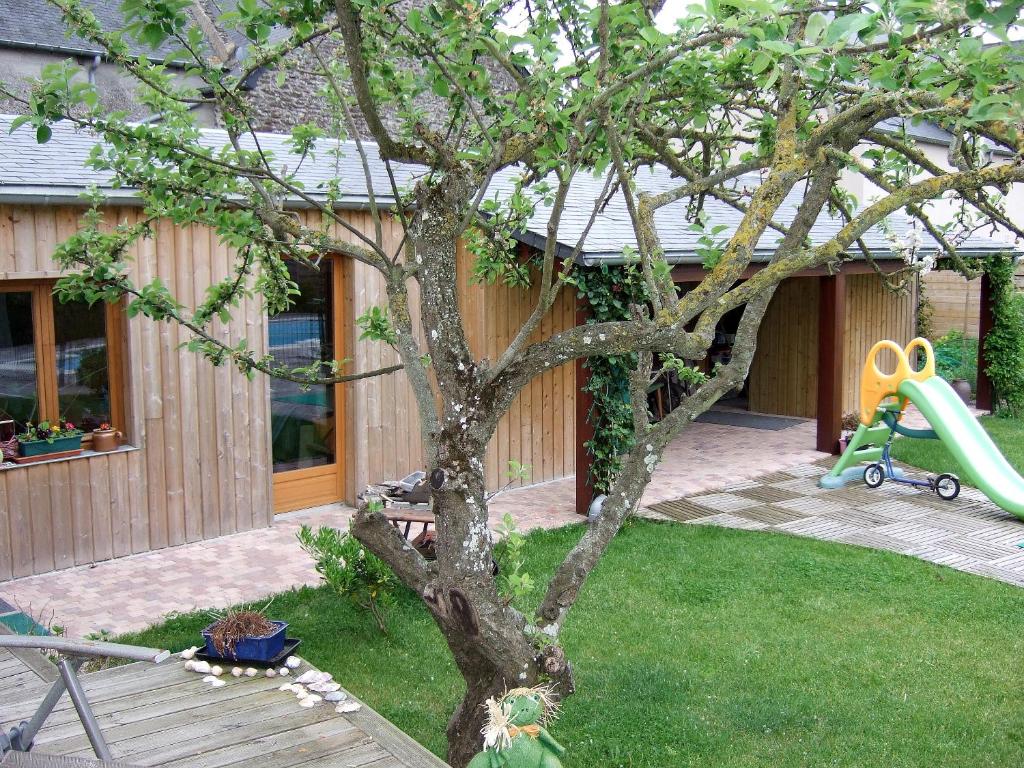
(73, 654)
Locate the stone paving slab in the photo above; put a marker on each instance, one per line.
(969, 533)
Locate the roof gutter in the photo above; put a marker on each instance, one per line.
(45, 195)
(72, 50)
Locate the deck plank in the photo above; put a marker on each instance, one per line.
(161, 715)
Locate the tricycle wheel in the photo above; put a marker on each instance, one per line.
(874, 475)
(947, 486)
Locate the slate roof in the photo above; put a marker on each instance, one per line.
(53, 173)
(38, 24)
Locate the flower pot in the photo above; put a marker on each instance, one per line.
(58, 445)
(963, 388)
(104, 440)
(251, 648)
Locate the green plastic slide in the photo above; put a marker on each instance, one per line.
(968, 441)
(949, 418)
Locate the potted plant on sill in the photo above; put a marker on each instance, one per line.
(44, 439)
(245, 635)
(105, 439)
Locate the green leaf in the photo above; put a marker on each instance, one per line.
(761, 62)
(816, 25)
(43, 134)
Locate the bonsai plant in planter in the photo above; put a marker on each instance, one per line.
(245, 635)
(105, 439)
(46, 439)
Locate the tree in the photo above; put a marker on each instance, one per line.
(541, 92)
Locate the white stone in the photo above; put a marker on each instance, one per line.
(348, 706)
(284, 671)
(335, 696)
(324, 687)
(251, 672)
(217, 671)
(301, 693)
(314, 676)
(209, 679)
(271, 673)
(236, 671)
(285, 687)
(202, 667)
(314, 698)
(307, 703)
(189, 653)
(190, 666)
(217, 683)
(292, 662)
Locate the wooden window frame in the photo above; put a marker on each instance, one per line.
(44, 341)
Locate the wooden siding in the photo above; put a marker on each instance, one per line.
(202, 464)
(955, 301)
(784, 375)
(539, 429)
(383, 431)
(872, 314)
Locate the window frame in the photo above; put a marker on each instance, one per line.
(44, 342)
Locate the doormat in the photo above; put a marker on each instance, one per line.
(749, 420)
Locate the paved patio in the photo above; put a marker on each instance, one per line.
(133, 592)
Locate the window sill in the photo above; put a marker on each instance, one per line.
(85, 454)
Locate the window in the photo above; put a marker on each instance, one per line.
(303, 420)
(58, 361)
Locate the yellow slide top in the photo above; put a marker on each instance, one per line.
(875, 385)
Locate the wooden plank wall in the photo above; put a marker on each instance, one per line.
(872, 314)
(383, 431)
(784, 375)
(955, 300)
(200, 469)
(539, 429)
(202, 464)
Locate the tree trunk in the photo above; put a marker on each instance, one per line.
(483, 681)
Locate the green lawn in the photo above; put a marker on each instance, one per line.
(701, 646)
(931, 455)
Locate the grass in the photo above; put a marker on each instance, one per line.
(932, 455)
(701, 646)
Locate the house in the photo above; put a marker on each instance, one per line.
(33, 35)
(208, 452)
(956, 302)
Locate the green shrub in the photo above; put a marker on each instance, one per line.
(956, 357)
(1004, 344)
(351, 570)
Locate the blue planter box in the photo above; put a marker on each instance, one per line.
(252, 648)
(41, 447)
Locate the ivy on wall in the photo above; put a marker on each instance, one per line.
(1004, 344)
(607, 293)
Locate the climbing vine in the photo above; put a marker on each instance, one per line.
(1004, 344)
(608, 292)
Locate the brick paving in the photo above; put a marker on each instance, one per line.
(132, 592)
(714, 474)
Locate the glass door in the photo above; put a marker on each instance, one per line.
(305, 427)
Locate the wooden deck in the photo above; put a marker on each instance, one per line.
(161, 715)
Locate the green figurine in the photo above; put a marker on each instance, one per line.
(514, 736)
